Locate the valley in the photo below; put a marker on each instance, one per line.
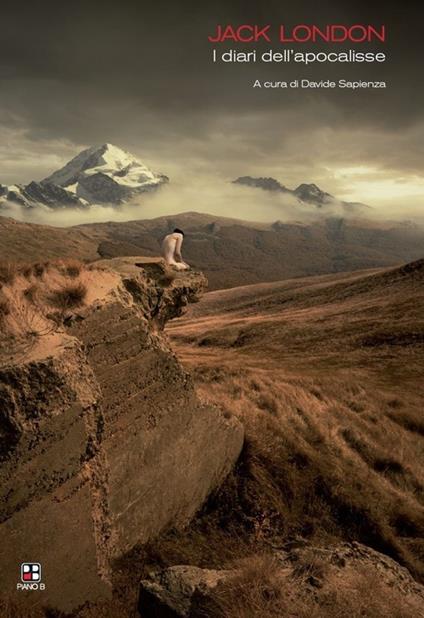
(231, 252)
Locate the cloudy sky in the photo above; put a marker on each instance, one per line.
(140, 75)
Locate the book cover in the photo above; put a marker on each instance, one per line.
(211, 309)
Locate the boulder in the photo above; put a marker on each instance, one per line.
(180, 592)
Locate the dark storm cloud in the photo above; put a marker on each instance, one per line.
(140, 74)
(158, 53)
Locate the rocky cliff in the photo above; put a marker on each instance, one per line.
(104, 441)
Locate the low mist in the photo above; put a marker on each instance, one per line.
(215, 197)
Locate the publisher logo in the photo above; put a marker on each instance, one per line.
(31, 572)
(30, 577)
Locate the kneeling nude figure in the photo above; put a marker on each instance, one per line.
(171, 250)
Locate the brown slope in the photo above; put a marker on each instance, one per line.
(338, 313)
(326, 374)
(29, 242)
(230, 252)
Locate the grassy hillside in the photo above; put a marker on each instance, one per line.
(228, 251)
(325, 375)
(27, 242)
(233, 253)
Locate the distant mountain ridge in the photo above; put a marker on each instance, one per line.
(97, 175)
(230, 252)
(307, 193)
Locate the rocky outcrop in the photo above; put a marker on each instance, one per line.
(105, 442)
(50, 195)
(50, 464)
(180, 592)
(340, 561)
(316, 575)
(35, 194)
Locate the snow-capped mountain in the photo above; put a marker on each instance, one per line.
(105, 174)
(98, 175)
(37, 193)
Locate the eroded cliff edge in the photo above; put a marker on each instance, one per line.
(104, 441)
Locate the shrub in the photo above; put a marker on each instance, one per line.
(25, 270)
(258, 592)
(72, 268)
(31, 293)
(68, 297)
(268, 403)
(7, 272)
(4, 309)
(40, 268)
(309, 565)
(410, 422)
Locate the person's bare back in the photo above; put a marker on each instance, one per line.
(171, 250)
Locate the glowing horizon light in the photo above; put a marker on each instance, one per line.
(367, 184)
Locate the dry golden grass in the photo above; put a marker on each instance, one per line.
(35, 300)
(25, 242)
(262, 590)
(297, 476)
(4, 309)
(301, 471)
(68, 297)
(25, 270)
(258, 591)
(71, 268)
(334, 439)
(32, 292)
(334, 430)
(39, 268)
(8, 272)
(326, 377)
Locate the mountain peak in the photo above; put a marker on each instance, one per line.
(269, 184)
(306, 193)
(107, 147)
(310, 192)
(105, 173)
(309, 186)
